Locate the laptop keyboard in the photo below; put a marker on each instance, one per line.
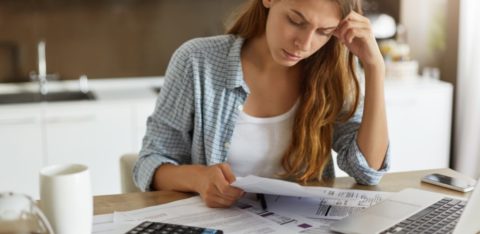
(441, 217)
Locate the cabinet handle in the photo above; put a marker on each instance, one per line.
(70, 119)
(18, 121)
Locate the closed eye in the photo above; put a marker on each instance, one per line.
(296, 23)
(325, 32)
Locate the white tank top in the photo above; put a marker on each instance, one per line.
(258, 144)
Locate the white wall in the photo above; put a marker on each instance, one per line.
(425, 21)
(467, 134)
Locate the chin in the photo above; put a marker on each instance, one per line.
(290, 64)
(280, 59)
(286, 63)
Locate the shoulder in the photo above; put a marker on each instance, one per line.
(208, 58)
(211, 44)
(204, 47)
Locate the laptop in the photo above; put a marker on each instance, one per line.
(416, 211)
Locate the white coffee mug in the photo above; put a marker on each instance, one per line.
(66, 198)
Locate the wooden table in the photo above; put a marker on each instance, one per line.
(391, 182)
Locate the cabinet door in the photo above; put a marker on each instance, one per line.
(419, 124)
(21, 154)
(419, 121)
(92, 134)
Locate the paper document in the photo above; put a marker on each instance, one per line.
(194, 212)
(345, 203)
(294, 223)
(291, 208)
(309, 201)
(256, 184)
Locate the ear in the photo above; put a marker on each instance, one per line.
(267, 3)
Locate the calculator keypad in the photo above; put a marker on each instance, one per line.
(148, 227)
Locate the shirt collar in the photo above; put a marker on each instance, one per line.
(234, 66)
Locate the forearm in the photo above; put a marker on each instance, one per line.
(372, 136)
(183, 178)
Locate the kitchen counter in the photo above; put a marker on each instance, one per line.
(105, 90)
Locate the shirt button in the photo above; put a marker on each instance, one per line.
(227, 145)
(240, 107)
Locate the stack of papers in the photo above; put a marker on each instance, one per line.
(192, 212)
(291, 209)
(307, 201)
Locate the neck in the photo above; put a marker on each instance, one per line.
(256, 53)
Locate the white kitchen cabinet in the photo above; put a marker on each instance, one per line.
(142, 111)
(419, 122)
(419, 117)
(21, 156)
(93, 134)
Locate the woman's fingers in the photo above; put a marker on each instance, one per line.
(227, 189)
(355, 32)
(215, 198)
(219, 202)
(227, 172)
(350, 28)
(217, 191)
(223, 185)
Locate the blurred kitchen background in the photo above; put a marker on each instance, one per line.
(102, 38)
(116, 51)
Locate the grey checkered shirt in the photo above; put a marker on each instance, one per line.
(196, 111)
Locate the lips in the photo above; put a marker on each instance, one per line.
(291, 56)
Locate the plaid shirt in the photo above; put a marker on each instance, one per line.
(196, 112)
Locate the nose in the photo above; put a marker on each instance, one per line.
(303, 40)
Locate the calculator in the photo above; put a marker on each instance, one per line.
(149, 227)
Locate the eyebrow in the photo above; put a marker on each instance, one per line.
(305, 19)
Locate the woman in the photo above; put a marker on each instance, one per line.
(271, 98)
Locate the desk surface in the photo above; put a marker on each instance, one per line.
(391, 182)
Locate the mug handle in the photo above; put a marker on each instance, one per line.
(45, 221)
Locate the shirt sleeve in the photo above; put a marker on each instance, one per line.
(349, 157)
(168, 135)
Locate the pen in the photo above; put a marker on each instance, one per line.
(263, 202)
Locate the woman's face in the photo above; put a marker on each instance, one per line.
(298, 28)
